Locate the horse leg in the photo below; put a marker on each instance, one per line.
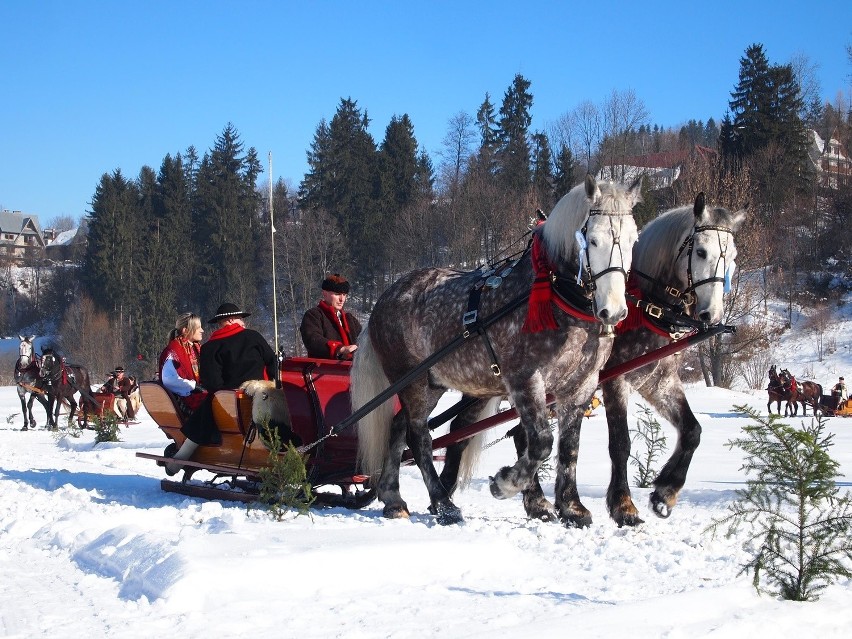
(388, 484)
(616, 394)
(455, 452)
(529, 399)
(72, 407)
(676, 410)
(536, 505)
(21, 396)
(569, 508)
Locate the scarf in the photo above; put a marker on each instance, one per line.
(226, 331)
(340, 322)
(187, 355)
(540, 312)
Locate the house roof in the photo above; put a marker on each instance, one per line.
(17, 222)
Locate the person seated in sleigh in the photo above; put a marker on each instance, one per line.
(123, 388)
(179, 364)
(328, 331)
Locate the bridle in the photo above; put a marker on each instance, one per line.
(25, 355)
(686, 298)
(48, 364)
(585, 277)
(688, 244)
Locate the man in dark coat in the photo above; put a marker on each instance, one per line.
(327, 330)
(234, 354)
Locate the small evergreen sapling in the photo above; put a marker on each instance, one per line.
(649, 435)
(283, 481)
(107, 428)
(796, 520)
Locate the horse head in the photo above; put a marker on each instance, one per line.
(711, 258)
(25, 351)
(51, 366)
(592, 229)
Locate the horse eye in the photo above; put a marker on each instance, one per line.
(702, 254)
(593, 242)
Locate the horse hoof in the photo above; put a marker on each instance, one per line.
(630, 520)
(25, 427)
(396, 512)
(501, 489)
(576, 521)
(661, 508)
(447, 514)
(575, 517)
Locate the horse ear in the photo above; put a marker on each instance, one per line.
(591, 186)
(738, 217)
(21, 337)
(635, 189)
(698, 207)
(32, 337)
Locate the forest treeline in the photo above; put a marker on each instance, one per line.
(196, 231)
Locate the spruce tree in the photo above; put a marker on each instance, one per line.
(543, 177)
(513, 151)
(343, 180)
(106, 269)
(564, 178)
(225, 223)
(799, 527)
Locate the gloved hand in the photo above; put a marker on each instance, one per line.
(198, 389)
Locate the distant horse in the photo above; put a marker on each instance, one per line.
(534, 348)
(61, 381)
(776, 390)
(26, 379)
(806, 393)
(682, 264)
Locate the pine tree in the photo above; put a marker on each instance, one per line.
(106, 271)
(564, 178)
(225, 223)
(543, 177)
(798, 523)
(751, 101)
(343, 179)
(513, 151)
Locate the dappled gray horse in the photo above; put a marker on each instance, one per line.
(682, 266)
(538, 346)
(26, 381)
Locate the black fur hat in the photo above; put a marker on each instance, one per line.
(335, 283)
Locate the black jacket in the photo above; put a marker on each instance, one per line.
(230, 361)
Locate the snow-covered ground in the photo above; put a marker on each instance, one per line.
(90, 546)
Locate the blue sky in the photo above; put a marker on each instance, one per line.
(88, 87)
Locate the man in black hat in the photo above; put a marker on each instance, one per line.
(327, 330)
(232, 355)
(122, 387)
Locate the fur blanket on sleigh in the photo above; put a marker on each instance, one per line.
(269, 408)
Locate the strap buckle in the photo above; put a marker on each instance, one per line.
(654, 311)
(470, 317)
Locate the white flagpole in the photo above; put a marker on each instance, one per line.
(272, 233)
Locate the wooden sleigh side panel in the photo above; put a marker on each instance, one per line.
(232, 416)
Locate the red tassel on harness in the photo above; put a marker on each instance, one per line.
(540, 312)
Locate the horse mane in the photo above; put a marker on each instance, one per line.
(565, 218)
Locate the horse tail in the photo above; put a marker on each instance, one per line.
(473, 451)
(367, 380)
